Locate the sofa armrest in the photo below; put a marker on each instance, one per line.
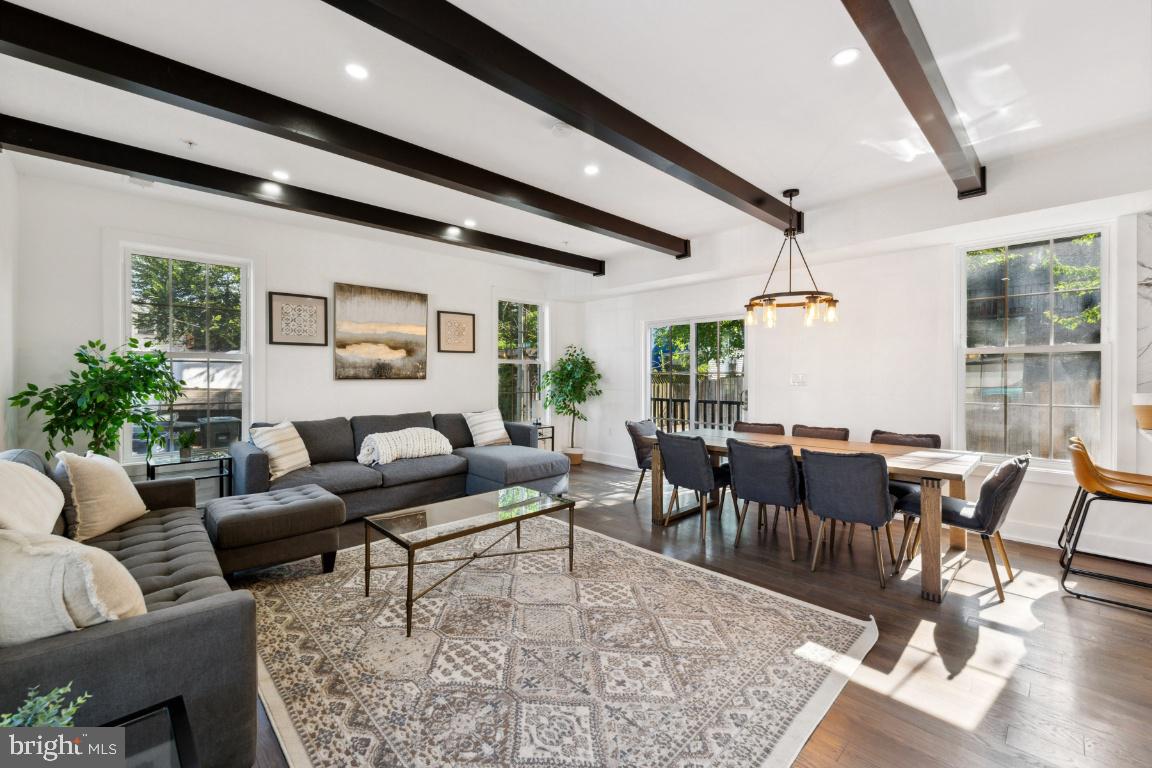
(249, 469)
(522, 434)
(168, 493)
(204, 651)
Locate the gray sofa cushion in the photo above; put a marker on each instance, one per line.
(240, 521)
(27, 458)
(335, 476)
(169, 554)
(405, 471)
(362, 426)
(328, 440)
(454, 427)
(512, 464)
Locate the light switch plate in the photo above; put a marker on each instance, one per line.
(799, 379)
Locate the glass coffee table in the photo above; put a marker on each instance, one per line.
(421, 527)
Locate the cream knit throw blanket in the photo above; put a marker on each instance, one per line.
(411, 443)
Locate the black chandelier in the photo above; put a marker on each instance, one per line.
(817, 304)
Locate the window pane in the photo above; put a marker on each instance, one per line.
(189, 329)
(223, 331)
(1028, 430)
(221, 425)
(224, 287)
(1028, 269)
(152, 322)
(1029, 320)
(1076, 379)
(1076, 262)
(149, 279)
(517, 331)
(1027, 379)
(1076, 317)
(1074, 422)
(518, 387)
(984, 379)
(986, 326)
(984, 426)
(986, 273)
(670, 349)
(530, 318)
(189, 283)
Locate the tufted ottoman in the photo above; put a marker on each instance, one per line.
(262, 529)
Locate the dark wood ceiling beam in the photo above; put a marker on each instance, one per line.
(446, 32)
(43, 40)
(48, 141)
(897, 40)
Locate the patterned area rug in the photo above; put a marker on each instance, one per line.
(633, 659)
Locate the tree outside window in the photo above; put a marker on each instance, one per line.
(518, 349)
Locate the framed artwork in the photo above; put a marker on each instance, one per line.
(294, 318)
(455, 332)
(380, 333)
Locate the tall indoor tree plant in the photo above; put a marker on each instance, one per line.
(571, 381)
(112, 387)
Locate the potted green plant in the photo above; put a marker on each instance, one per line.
(187, 441)
(47, 710)
(113, 387)
(571, 381)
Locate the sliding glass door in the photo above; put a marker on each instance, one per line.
(696, 374)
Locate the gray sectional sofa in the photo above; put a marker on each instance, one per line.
(333, 445)
(197, 640)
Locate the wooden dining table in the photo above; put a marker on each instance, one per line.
(929, 467)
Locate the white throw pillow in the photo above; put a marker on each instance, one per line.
(29, 500)
(411, 443)
(52, 585)
(284, 446)
(487, 428)
(101, 495)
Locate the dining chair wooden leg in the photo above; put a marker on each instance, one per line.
(888, 533)
(735, 504)
(903, 551)
(831, 536)
(702, 500)
(851, 533)
(740, 525)
(639, 485)
(720, 506)
(775, 518)
(807, 522)
(1004, 555)
(791, 533)
(673, 499)
(879, 557)
(915, 542)
(816, 549)
(992, 564)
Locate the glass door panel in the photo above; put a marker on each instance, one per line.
(670, 384)
(696, 374)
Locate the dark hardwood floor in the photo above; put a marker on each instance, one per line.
(1041, 680)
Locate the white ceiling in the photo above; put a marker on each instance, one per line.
(747, 82)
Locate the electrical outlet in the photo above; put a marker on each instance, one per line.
(799, 379)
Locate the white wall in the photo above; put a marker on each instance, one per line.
(69, 291)
(8, 241)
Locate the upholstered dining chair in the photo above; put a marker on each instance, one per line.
(763, 475)
(688, 465)
(824, 433)
(758, 427)
(1095, 485)
(642, 449)
(851, 488)
(983, 516)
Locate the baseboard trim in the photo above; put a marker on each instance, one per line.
(1090, 543)
(611, 459)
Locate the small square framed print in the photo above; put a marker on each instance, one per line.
(296, 319)
(455, 332)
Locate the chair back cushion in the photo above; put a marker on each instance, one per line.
(997, 492)
(884, 437)
(764, 474)
(852, 487)
(643, 450)
(686, 462)
(762, 428)
(327, 439)
(824, 433)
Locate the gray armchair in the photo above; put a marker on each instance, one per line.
(765, 474)
(688, 465)
(642, 448)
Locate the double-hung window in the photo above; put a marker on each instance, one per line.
(194, 310)
(1033, 355)
(518, 370)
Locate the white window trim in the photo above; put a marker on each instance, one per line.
(543, 349)
(126, 251)
(646, 346)
(1108, 292)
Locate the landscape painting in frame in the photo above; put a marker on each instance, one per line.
(380, 333)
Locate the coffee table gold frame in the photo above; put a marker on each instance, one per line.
(412, 548)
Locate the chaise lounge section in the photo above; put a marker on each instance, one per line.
(333, 445)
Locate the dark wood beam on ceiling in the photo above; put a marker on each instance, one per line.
(446, 32)
(48, 141)
(43, 40)
(897, 40)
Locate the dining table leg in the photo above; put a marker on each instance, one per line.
(931, 587)
(657, 486)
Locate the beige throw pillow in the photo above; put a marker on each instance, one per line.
(284, 446)
(52, 585)
(100, 495)
(487, 428)
(29, 500)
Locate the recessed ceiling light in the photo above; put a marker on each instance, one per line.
(271, 188)
(846, 57)
(453, 231)
(280, 175)
(356, 71)
(591, 169)
(470, 223)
